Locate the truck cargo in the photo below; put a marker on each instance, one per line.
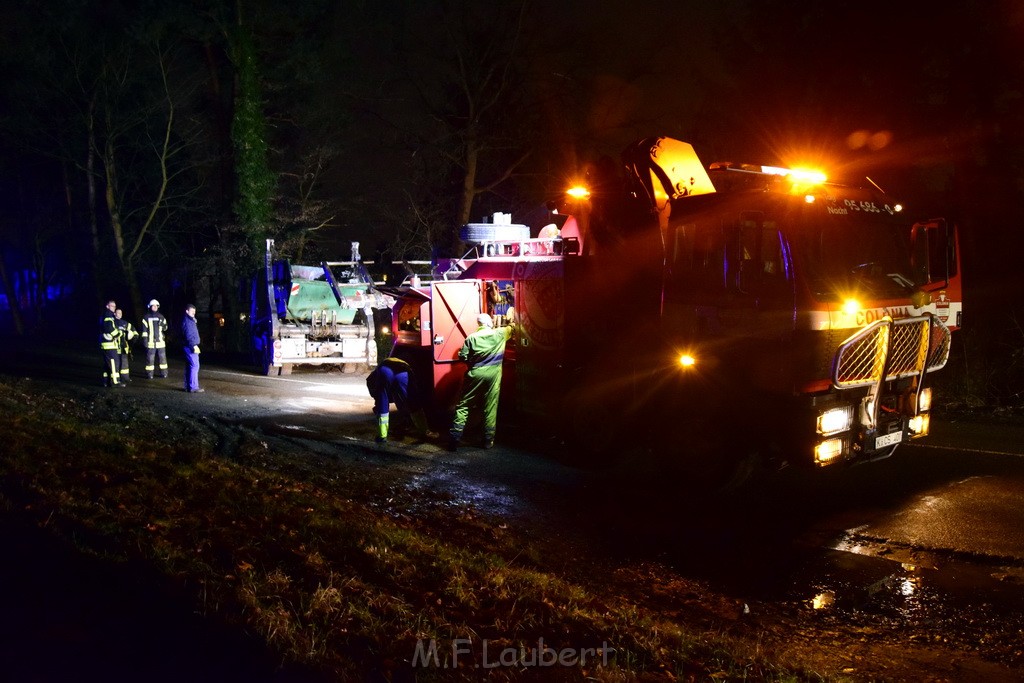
(306, 315)
(723, 317)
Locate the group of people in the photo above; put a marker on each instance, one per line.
(117, 334)
(483, 352)
(390, 382)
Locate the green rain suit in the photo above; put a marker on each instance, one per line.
(484, 351)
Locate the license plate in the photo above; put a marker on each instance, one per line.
(889, 439)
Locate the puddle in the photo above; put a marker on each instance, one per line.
(460, 491)
(974, 607)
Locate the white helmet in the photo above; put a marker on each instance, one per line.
(154, 302)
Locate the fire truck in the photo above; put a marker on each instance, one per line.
(306, 315)
(719, 315)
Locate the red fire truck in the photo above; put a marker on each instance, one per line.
(711, 314)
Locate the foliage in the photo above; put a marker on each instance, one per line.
(248, 131)
(985, 373)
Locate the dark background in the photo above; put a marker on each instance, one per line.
(147, 149)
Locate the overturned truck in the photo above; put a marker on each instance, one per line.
(314, 315)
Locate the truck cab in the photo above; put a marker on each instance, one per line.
(818, 308)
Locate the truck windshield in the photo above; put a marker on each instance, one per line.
(853, 254)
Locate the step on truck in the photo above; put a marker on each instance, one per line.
(722, 316)
(322, 315)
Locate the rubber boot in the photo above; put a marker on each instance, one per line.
(419, 421)
(382, 428)
(454, 436)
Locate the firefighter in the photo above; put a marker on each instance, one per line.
(154, 340)
(110, 335)
(484, 351)
(124, 348)
(190, 338)
(392, 382)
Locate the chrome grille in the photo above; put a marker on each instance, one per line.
(897, 348)
(908, 348)
(861, 358)
(938, 350)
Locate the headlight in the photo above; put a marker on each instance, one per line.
(835, 420)
(924, 400)
(920, 424)
(828, 451)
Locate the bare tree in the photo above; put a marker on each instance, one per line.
(480, 109)
(302, 209)
(450, 107)
(143, 196)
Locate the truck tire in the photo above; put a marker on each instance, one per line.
(595, 430)
(265, 357)
(718, 470)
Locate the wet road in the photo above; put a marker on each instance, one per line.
(932, 538)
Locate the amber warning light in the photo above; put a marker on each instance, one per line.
(578, 192)
(797, 175)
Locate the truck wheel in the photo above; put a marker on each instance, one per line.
(721, 474)
(595, 431)
(266, 362)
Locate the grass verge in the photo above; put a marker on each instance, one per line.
(344, 569)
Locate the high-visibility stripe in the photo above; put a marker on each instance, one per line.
(491, 360)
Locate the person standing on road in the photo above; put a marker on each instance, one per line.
(484, 351)
(154, 340)
(109, 336)
(124, 349)
(190, 335)
(390, 382)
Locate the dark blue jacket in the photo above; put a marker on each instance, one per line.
(190, 331)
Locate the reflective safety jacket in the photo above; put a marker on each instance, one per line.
(484, 350)
(110, 333)
(128, 334)
(154, 330)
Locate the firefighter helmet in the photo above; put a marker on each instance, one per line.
(154, 302)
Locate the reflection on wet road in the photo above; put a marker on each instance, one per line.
(488, 498)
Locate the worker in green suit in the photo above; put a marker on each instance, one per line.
(484, 351)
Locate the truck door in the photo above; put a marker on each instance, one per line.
(936, 262)
(763, 274)
(454, 306)
(757, 310)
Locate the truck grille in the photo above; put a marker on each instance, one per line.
(895, 348)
